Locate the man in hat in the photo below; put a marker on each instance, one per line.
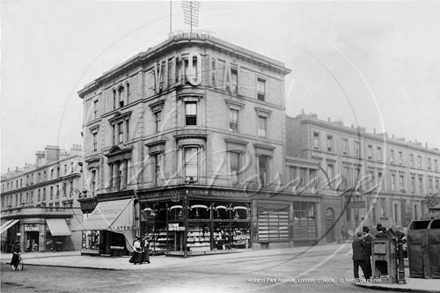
(359, 260)
(368, 243)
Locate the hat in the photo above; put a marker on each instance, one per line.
(378, 226)
(366, 229)
(359, 234)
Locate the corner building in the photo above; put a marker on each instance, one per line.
(192, 132)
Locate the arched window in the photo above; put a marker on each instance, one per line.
(121, 97)
(114, 99)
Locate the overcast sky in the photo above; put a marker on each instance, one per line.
(373, 64)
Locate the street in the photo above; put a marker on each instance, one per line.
(307, 272)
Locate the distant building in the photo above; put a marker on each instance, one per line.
(39, 202)
(394, 175)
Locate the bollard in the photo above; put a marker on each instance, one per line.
(401, 277)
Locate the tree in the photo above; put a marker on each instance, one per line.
(431, 200)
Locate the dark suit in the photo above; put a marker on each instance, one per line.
(368, 243)
(359, 257)
(382, 235)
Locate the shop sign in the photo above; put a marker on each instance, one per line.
(31, 228)
(175, 227)
(356, 205)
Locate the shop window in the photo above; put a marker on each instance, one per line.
(273, 225)
(304, 222)
(190, 113)
(191, 164)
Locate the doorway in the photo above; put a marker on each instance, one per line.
(329, 225)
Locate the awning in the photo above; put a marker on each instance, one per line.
(8, 225)
(116, 216)
(58, 227)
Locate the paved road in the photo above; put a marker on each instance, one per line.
(309, 272)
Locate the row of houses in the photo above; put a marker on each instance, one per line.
(189, 144)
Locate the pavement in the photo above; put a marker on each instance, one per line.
(74, 259)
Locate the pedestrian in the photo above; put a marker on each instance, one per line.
(381, 233)
(137, 252)
(145, 250)
(368, 243)
(15, 255)
(358, 246)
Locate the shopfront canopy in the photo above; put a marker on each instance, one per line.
(7, 225)
(58, 227)
(116, 216)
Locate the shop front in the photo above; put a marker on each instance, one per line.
(109, 229)
(57, 235)
(32, 237)
(10, 232)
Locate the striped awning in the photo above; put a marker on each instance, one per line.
(7, 225)
(58, 227)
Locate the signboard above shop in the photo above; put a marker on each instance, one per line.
(31, 227)
(356, 205)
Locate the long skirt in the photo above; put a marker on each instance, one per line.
(137, 257)
(146, 255)
(15, 260)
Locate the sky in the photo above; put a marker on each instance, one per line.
(372, 64)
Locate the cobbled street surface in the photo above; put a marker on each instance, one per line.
(306, 272)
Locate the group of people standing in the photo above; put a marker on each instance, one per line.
(141, 251)
(362, 250)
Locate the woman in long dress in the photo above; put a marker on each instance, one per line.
(137, 251)
(15, 255)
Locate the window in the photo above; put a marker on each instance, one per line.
(329, 143)
(402, 182)
(191, 164)
(411, 160)
(120, 132)
(430, 186)
(121, 97)
(157, 120)
(347, 179)
(127, 130)
(261, 89)
(413, 184)
(419, 162)
(114, 99)
(436, 185)
(429, 163)
(51, 193)
(58, 172)
(95, 142)
(262, 125)
(39, 195)
(345, 146)
(156, 167)
(435, 165)
(58, 191)
(71, 166)
(330, 173)
(92, 183)
(65, 169)
(235, 166)
(45, 176)
(233, 120)
(51, 174)
(234, 77)
(420, 185)
(400, 158)
(191, 113)
(64, 189)
(263, 169)
(379, 178)
(383, 208)
(44, 194)
(128, 93)
(379, 154)
(392, 156)
(393, 182)
(370, 152)
(357, 149)
(316, 140)
(370, 179)
(95, 109)
(114, 134)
